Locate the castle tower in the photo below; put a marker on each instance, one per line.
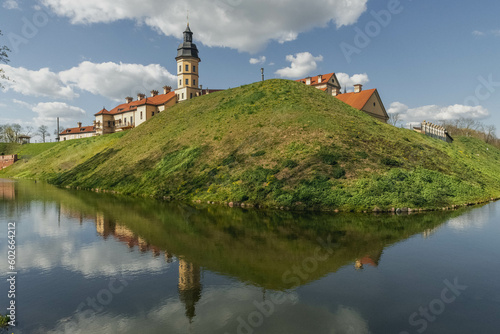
(187, 68)
(189, 286)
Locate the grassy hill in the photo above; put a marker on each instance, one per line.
(274, 143)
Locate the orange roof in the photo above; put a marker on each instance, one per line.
(314, 80)
(83, 129)
(357, 100)
(157, 100)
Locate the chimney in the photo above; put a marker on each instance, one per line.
(79, 124)
(358, 88)
(154, 93)
(140, 96)
(129, 99)
(336, 91)
(320, 78)
(308, 81)
(167, 89)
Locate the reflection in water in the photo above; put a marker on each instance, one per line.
(226, 259)
(189, 274)
(7, 190)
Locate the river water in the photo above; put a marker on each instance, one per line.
(97, 263)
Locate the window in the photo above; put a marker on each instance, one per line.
(141, 114)
(183, 96)
(187, 68)
(374, 104)
(180, 82)
(180, 68)
(187, 81)
(194, 82)
(153, 113)
(131, 120)
(114, 123)
(109, 124)
(194, 69)
(191, 95)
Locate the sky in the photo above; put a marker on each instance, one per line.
(430, 60)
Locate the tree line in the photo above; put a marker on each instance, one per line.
(13, 133)
(469, 127)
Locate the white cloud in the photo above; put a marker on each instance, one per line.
(23, 104)
(260, 60)
(37, 83)
(111, 80)
(10, 4)
(116, 81)
(49, 111)
(302, 64)
(434, 113)
(349, 81)
(494, 32)
(243, 25)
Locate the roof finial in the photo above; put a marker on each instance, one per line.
(188, 17)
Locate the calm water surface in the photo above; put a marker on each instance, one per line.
(95, 263)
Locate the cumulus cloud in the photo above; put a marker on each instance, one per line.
(111, 80)
(242, 25)
(302, 64)
(47, 112)
(116, 81)
(349, 81)
(435, 113)
(10, 4)
(260, 60)
(37, 83)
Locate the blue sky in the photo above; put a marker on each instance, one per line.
(432, 60)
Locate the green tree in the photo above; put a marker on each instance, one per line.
(4, 58)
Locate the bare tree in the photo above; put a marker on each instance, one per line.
(10, 132)
(4, 58)
(489, 133)
(394, 119)
(43, 131)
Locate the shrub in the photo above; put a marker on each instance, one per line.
(391, 162)
(338, 172)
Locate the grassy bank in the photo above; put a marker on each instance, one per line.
(276, 143)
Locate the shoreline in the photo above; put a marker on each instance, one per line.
(299, 208)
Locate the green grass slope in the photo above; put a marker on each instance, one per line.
(275, 143)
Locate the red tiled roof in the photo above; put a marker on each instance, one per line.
(103, 112)
(157, 100)
(314, 80)
(83, 129)
(357, 100)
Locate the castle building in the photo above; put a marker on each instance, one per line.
(187, 68)
(368, 101)
(78, 132)
(133, 113)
